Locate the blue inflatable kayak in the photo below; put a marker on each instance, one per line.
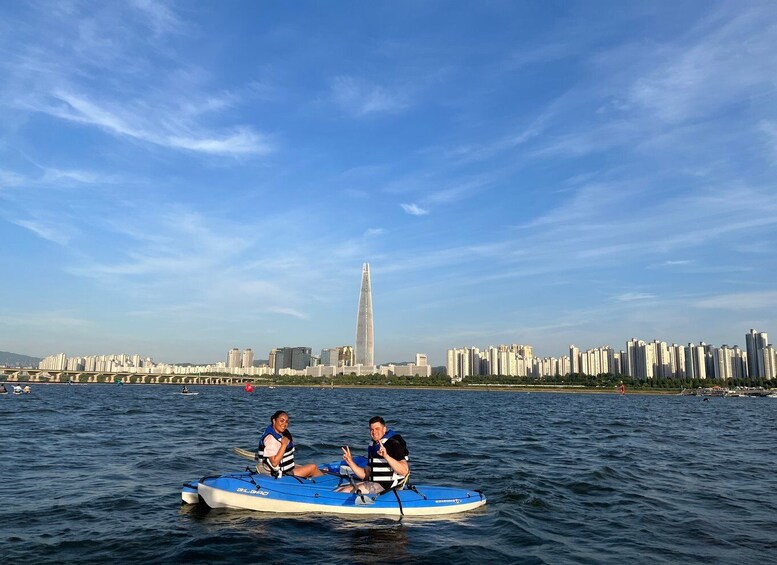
(252, 491)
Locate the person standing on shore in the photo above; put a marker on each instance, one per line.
(387, 461)
(275, 454)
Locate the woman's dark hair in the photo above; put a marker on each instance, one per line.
(277, 415)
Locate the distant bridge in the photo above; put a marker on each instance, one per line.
(16, 374)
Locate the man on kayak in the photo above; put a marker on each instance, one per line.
(387, 457)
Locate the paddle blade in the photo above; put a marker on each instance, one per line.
(244, 453)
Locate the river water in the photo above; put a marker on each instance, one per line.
(92, 474)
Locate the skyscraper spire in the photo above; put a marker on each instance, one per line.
(365, 346)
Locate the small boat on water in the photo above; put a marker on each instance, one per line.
(189, 393)
(251, 491)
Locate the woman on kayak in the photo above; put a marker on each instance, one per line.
(275, 454)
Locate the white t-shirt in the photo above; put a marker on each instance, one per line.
(271, 446)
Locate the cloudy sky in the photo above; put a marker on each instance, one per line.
(180, 178)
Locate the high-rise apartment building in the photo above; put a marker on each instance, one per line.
(233, 357)
(248, 358)
(574, 359)
(56, 362)
(770, 362)
(756, 343)
(365, 345)
(696, 361)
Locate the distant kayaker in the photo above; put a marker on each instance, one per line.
(184, 390)
(275, 454)
(387, 457)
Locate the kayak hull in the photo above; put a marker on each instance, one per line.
(189, 493)
(288, 494)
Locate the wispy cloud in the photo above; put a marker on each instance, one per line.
(10, 179)
(160, 16)
(49, 230)
(715, 65)
(359, 97)
(189, 243)
(483, 151)
(357, 194)
(769, 129)
(135, 123)
(54, 175)
(414, 209)
(95, 78)
(290, 312)
(165, 267)
(739, 301)
(673, 264)
(47, 320)
(633, 297)
(463, 188)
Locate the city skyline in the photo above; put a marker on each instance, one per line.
(180, 179)
(640, 359)
(758, 358)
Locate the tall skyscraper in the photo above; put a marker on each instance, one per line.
(365, 345)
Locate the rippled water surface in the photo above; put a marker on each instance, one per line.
(93, 474)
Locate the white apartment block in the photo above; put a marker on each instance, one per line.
(233, 358)
(409, 370)
(247, 359)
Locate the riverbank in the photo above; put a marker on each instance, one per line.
(523, 389)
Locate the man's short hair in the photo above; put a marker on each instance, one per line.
(377, 419)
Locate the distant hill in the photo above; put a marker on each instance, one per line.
(16, 360)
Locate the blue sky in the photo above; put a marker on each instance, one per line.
(180, 178)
